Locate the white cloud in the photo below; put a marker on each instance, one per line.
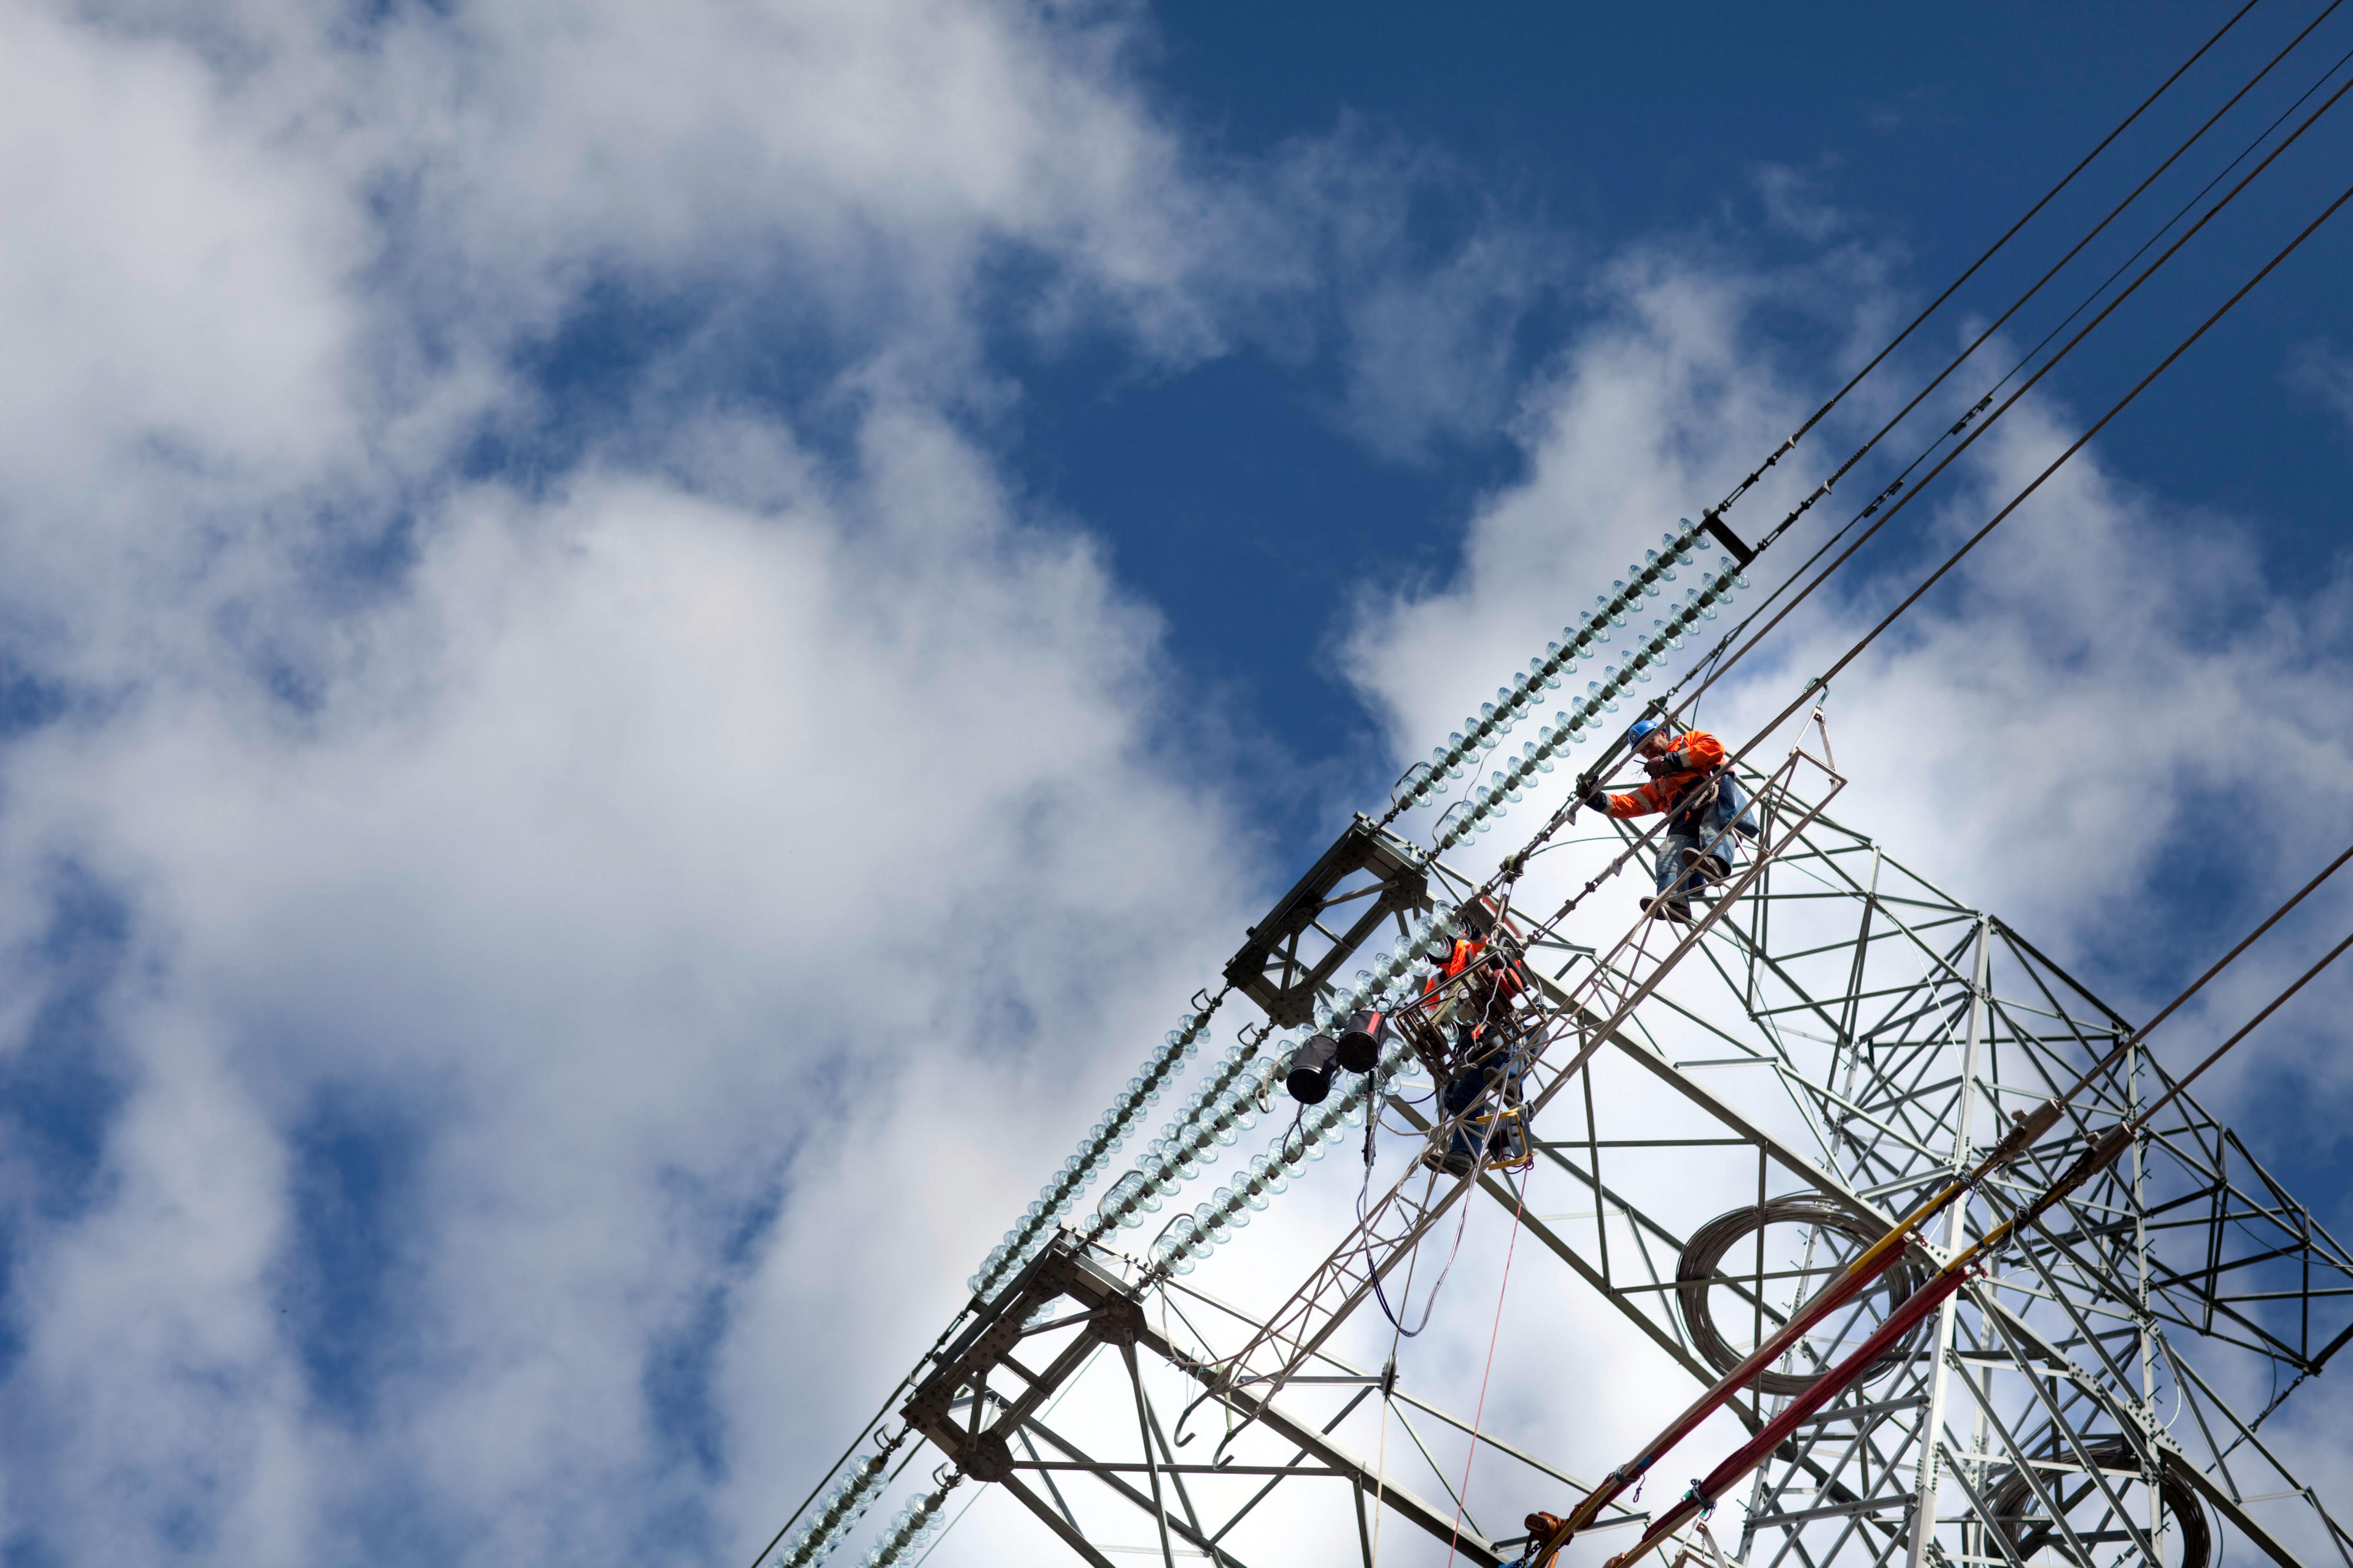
(1435, 279)
(717, 833)
(2323, 372)
(652, 857)
(708, 884)
(1793, 200)
(275, 262)
(1640, 416)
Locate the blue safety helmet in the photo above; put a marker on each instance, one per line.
(1639, 729)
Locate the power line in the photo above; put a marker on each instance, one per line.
(2019, 499)
(1884, 1252)
(1883, 354)
(2245, 1030)
(2118, 407)
(1970, 271)
(1513, 864)
(2117, 1054)
(1889, 491)
(1492, 722)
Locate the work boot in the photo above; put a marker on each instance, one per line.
(1676, 910)
(1453, 1161)
(1712, 868)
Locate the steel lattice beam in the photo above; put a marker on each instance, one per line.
(1844, 1033)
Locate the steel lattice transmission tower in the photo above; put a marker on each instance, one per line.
(1717, 1124)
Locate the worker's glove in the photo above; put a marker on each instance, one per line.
(1660, 767)
(1598, 801)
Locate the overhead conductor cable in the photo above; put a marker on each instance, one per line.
(1509, 869)
(1949, 458)
(1970, 271)
(1890, 492)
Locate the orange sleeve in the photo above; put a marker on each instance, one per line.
(1643, 801)
(1704, 750)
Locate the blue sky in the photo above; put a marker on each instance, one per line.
(1915, 138)
(531, 533)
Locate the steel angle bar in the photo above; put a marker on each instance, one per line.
(1958, 1466)
(1072, 1536)
(1725, 1113)
(1842, 944)
(2073, 1309)
(1507, 1449)
(2225, 1503)
(1669, 1337)
(1838, 1415)
(1989, 1416)
(1112, 1478)
(1810, 1003)
(1263, 1411)
(1297, 1454)
(1271, 970)
(1904, 1096)
(1855, 1034)
(1151, 1459)
(1900, 1500)
(1139, 1468)
(1929, 893)
(2093, 1249)
(1863, 1449)
(1911, 930)
(1437, 1472)
(1030, 1448)
(1167, 1454)
(1371, 1381)
(2006, 1356)
(2228, 1502)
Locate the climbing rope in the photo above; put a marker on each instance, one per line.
(1479, 1411)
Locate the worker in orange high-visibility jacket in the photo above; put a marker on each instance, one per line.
(1479, 1004)
(1706, 810)
(1475, 1008)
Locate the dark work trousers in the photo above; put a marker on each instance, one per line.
(1489, 1063)
(1708, 828)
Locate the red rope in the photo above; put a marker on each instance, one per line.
(1462, 1493)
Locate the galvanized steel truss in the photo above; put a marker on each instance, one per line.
(2053, 1413)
